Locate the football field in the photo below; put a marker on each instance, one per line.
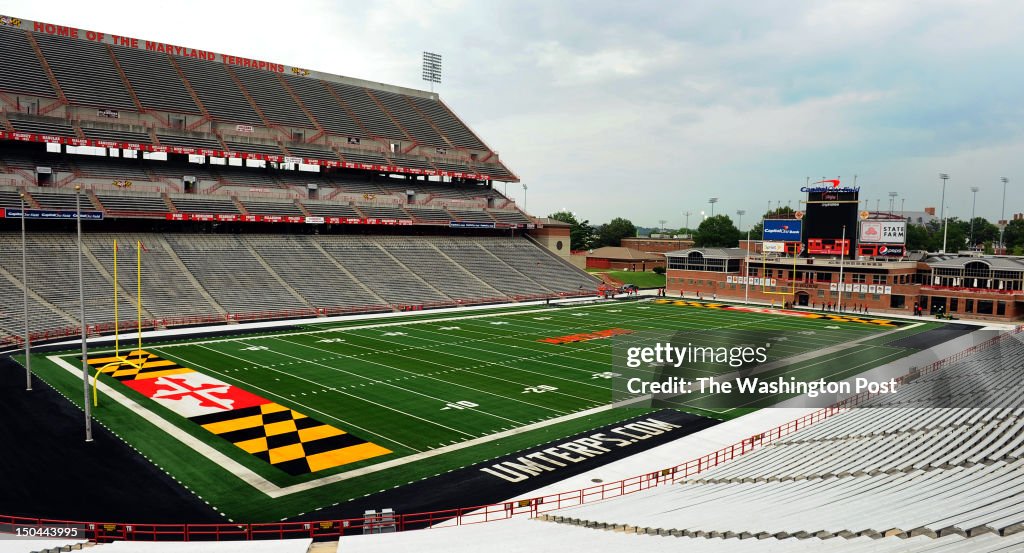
(271, 425)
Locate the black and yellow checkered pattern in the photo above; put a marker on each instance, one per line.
(288, 439)
(137, 365)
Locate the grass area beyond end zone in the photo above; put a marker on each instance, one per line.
(439, 393)
(643, 279)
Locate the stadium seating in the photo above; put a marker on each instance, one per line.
(116, 135)
(319, 101)
(254, 147)
(382, 273)
(383, 212)
(446, 121)
(167, 292)
(41, 126)
(230, 273)
(537, 264)
(189, 141)
(197, 204)
(491, 269)
(154, 80)
(368, 112)
(86, 72)
(54, 279)
(218, 91)
(407, 116)
(446, 275)
(893, 467)
(20, 70)
(330, 209)
(132, 203)
(321, 280)
(259, 207)
(275, 102)
(529, 536)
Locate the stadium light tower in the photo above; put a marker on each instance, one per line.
(524, 197)
(1002, 217)
(81, 298)
(740, 213)
(432, 68)
(942, 210)
(892, 202)
(974, 202)
(712, 201)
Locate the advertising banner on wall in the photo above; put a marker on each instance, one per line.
(784, 230)
(883, 232)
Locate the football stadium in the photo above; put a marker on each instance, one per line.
(247, 306)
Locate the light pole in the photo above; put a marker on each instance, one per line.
(974, 202)
(1002, 218)
(524, 197)
(892, 202)
(24, 281)
(746, 270)
(842, 257)
(942, 210)
(740, 213)
(81, 299)
(687, 214)
(712, 201)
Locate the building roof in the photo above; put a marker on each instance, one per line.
(623, 254)
(995, 263)
(717, 253)
(549, 222)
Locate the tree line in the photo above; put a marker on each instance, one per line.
(720, 231)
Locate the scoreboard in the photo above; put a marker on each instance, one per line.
(828, 210)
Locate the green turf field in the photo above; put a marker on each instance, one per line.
(643, 279)
(400, 399)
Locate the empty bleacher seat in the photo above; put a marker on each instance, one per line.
(321, 103)
(271, 97)
(205, 204)
(218, 91)
(366, 110)
(451, 126)
(47, 125)
(254, 147)
(410, 119)
(20, 70)
(154, 80)
(85, 71)
(116, 135)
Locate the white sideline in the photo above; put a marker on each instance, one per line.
(275, 491)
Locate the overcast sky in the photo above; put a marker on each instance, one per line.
(646, 109)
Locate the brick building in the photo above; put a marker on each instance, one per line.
(963, 286)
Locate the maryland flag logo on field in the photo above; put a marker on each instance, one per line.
(281, 436)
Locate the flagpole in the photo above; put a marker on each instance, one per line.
(24, 281)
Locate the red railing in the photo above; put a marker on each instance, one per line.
(481, 513)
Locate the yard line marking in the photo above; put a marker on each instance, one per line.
(468, 370)
(423, 375)
(339, 391)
